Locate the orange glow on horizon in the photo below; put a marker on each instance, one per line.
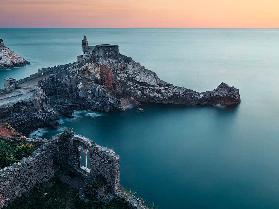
(143, 13)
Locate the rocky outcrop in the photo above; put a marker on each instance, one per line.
(109, 82)
(9, 59)
(26, 110)
(7, 132)
(223, 95)
(101, 80)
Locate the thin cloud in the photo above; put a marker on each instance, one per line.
(139, 13)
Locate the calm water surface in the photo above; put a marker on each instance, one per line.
(196, 158)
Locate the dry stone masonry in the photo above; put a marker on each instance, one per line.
(62, 156)
(95, 164)
(21, 177)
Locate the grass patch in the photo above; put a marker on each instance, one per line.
(12, 152)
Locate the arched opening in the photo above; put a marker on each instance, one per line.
(84, 159)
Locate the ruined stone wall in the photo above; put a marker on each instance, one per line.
(102, 181)
(44, 72)
(56, 157)
(105, 163)
(106, 50)
(23, 176)
(103, 50)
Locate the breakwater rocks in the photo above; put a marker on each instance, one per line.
(9, 59)
(102, 79)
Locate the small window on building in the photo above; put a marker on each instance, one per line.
(84, 159)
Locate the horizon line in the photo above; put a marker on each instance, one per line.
(259, 28)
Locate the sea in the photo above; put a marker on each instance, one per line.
(181, 157)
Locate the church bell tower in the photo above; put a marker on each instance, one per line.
(85, 45)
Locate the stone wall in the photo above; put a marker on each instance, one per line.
(106, 50)
(57, 156)
(61, 156)
(103, 178)
(44, 72)
(23, 176)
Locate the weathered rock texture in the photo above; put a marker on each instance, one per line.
(6, 132)
(102, 80)
(9, 59)
(26, 109)
(23, 176)
(61, 156)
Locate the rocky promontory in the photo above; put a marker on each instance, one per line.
(9, 59)
(101, 80)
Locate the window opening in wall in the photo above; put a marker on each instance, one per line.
(84, 158)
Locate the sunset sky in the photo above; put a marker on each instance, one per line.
(140, 13)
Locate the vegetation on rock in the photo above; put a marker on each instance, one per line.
(12, 152)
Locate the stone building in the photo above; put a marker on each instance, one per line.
(85, 46)
(102, 50)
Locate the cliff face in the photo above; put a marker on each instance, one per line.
(9, 59)
(103, 80)
(26, 110)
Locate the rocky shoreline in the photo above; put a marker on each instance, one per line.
(104, 80)
(9, 59)
(101, 80)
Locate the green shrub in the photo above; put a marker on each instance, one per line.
(11, 152)
(6, 154)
